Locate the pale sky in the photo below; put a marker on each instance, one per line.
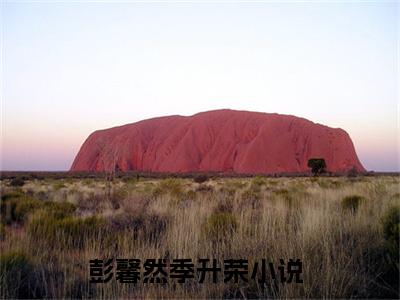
(71, 68)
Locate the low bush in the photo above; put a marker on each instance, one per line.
(352, 203)
(66, 232)
(93, 202)
(200, 178)
(204, 188)
(143, 227)
(220, 225)
(282, 193)
(59, 210)
(115, 196)
(15, 208)
(252, 196)
(17, 182)
(258, 181)
(323, 183)
(171, 185)
(58, 185)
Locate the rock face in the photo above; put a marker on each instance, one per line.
(218, 141)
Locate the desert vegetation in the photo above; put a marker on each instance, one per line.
(345, 230)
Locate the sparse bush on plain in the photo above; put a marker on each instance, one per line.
(24, 206)
(323, 183)
(59, 210)
(148, 227)
(352, 203)
(235, 184)
(282, 192)
(204, 188)
(58, 185)
(116, 196)
(252, 196)
(258, 181)
(15, 209)
(66, 231)
(171, 185)
(17, 182)
(200, 178)
(220, 225)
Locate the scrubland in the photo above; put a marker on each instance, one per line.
(344, 230)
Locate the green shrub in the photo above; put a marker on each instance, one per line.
(58, 185)
(258, 181)
(59, 210)
(16, 209)
(68, 231)
(252, 196)
(88, 182)
(234, 184)
(220, 225)
(116, 196)
(17, 182)
(24, 206)
(287, 197)
(391, 231)
(352, 203)
(284, 193)
(228, 191)
(171, 185)
(323, 183)
(272, 182)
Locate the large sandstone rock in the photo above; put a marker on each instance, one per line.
(221, 140)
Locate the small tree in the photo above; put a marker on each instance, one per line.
(317, 165)
(108, 157)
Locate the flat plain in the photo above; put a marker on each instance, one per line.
(344, 230)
